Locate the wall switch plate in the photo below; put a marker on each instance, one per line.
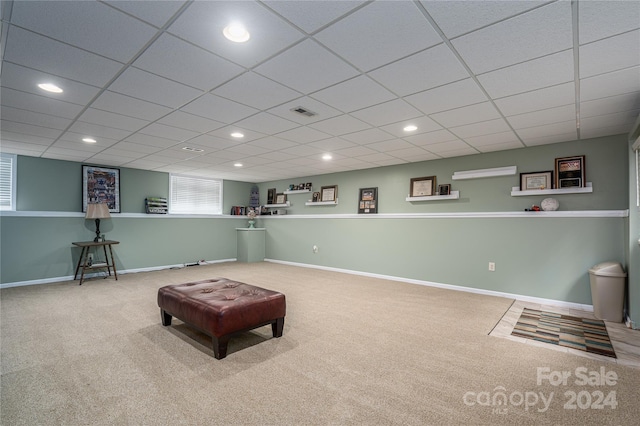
(492, 266)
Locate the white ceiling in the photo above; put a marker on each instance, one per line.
(148, 78)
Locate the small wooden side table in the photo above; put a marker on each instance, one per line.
(84, 257)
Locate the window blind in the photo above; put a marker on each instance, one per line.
(7, 181)
(195, 195)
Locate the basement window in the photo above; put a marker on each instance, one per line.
(194, 195)
(8, 181)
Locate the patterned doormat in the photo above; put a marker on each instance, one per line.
(589, 335)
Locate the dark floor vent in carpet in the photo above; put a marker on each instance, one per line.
(589, 335)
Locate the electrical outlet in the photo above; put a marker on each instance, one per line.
(315, 249)
(492, 266)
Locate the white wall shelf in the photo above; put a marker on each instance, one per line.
(484, 173)
(321, 203)
(453, 196)
(515, 191)
(278, 206)
(297, 191)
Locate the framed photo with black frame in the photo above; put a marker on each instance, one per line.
(101, 185)
(570, 172)
(368, 201)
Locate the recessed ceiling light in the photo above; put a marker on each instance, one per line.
(50, 87)
(236, 32)
(238, 165)
(237, 135)
(410, 128)
(327, 157)
(89, 140)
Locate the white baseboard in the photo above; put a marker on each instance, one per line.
(98, 274)
(542, 301)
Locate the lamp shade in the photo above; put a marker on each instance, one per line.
(97, 211)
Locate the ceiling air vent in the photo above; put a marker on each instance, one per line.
(303, 111)
(188, 148)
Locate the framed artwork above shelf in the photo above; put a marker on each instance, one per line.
(516, 192)
(453, 196)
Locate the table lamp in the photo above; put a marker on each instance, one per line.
(97, 212)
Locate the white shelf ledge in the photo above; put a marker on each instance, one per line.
(321, 203)
(515, 191)
(484, 173)
(280, 206)
(453, 196)
(297, 191)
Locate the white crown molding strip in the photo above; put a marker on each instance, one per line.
(552, 302)
(449, 215)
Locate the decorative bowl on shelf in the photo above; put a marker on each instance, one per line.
(549, 204)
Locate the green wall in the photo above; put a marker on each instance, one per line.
(447, 242)
(633, 247)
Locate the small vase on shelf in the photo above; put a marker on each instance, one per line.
(252, 216)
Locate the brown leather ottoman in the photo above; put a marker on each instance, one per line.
(220, 307)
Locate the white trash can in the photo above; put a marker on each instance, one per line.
(607, 290)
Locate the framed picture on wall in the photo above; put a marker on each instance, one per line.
(536, 180)
(101, 185)
(570, 172)
(423, 186)
(444, 189)
(329, 193)
(368, 201)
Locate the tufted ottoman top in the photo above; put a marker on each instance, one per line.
(221, 306)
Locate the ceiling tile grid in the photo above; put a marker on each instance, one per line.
(147, 79)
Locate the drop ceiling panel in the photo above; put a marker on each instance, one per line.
(367, 136)
(440, 148)
(424, 70)
(459, 17)
(155, 13)
(219, 109)
(546, 116)
(134, 147)
(110, 119)
(536, 74)
(266, 123)
(315, 14)
(152, 88)
(354, 94)
(431, 138)
(27, 80)
(122, 104)
(91, 26)
(414, 154)
(322, 111)
(538, 33)
(303, 135)
(379, 39)
(273, 144)
(332, 144)
(168, 132)
(610, 105)
(340, 125)
(24, 138)
(177, 60)
(390, 145)
(611, 84)
(610, 54)
(190, 122)
(546, 140)
(502, 139)
(39, 104)
(480, 129)
(42, 53)
(28, 129)
(98, 131)
(623, 119)
(34, 118)
(424, 124)
(202, 23)
(600, 19)
(256, 91)
(143, 139)
(535, 100)
(470, 114)
(450, 96)
(563, 128)
(304, 68)
(387, 113)
(225, 133)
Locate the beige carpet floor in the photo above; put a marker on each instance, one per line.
(355, 351)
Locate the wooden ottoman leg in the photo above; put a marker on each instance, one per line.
(220, 346)
(277, 327)
(166, 317)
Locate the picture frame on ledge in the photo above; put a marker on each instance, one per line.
(423, 186)
(536, 180)
(444, 189)
(271, 195)
(368, 201)
(329, 193)
(316, 197)
(281, 198)
(570, 172)
(101, 185)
